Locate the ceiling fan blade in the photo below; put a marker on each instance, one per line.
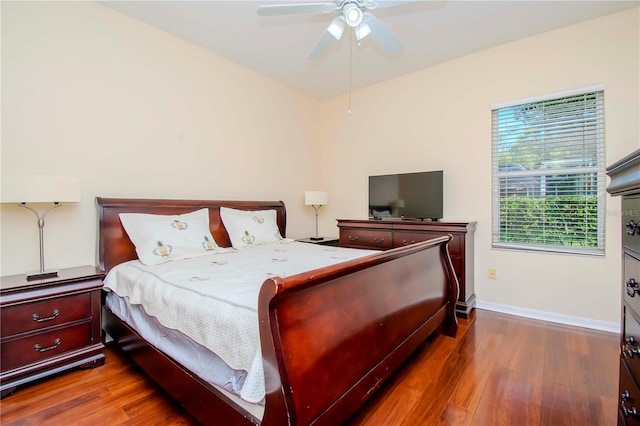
(322, 45)
(382, 35)
(381, 4)
(296, 9)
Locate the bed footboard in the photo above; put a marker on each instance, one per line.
(330, 337)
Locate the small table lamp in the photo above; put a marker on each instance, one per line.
(34, 189)
(316, 199)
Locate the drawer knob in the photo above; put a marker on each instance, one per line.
(406, 243)
(352, 238)
(378, 240)
(632, 227)
(632, 287)
(39, 348)
(54, 314)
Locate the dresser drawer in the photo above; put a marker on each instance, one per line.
(631, 222)
(629, 395)
(632, 283)
(631, 342)
(456, 262)
(365, 238)
(37, 347)
(37, 315)
(403, 238)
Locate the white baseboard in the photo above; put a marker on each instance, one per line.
(612, 327)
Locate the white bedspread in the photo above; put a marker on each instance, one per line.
(213, 299)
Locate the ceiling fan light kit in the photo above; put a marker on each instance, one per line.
(354, 13)
(336, 28)
(362, 31)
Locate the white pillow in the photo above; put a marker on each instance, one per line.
(248, 228)
(160, 238)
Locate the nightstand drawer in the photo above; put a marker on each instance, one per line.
(37, 315)
(364, 238)
(27, 350)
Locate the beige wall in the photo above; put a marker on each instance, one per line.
(136, 112)
(440, 118)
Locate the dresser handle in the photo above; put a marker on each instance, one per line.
(375, 240)
(352, 238)
(631, 352)
(406, 243)
(632, 287)
(627, 411)
(54, 314)
(631, 341)
(39, 348)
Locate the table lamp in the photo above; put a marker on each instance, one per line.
(316, 199)
(38, 189)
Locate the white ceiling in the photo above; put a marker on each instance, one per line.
(432, 31)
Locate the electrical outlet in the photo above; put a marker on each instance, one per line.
(492, 273)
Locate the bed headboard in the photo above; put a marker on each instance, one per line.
(114, 246)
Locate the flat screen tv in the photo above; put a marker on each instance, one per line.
(406, 196)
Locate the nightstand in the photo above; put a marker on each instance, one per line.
(48, 326)
(326, 241)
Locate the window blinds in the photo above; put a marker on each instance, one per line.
(549, 174)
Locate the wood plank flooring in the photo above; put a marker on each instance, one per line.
(501, 370)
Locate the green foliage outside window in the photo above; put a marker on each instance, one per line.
(551, 220)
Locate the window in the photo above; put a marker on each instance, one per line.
(549, 174)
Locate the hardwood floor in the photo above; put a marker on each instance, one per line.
(501, 370)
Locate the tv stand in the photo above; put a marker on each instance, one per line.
(384, 234)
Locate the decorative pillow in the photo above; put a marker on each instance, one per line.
(160, 238)
(250, 228)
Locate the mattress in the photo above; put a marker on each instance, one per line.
(192, 355)
(212, 301)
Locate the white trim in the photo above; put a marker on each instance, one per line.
(612, 327)
(563, 94)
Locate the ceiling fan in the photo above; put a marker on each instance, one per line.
(352, 13)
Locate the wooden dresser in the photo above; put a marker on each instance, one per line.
(625, 182)
(387, 234)
(49, 325)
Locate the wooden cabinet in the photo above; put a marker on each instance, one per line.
(48, 326)
(387, 234)
(625, 181)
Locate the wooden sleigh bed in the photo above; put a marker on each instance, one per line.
(366, 317)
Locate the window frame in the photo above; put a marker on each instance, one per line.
(598, 170)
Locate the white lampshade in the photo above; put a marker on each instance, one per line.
(336, 28)
(316, 198)
(40, 189)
